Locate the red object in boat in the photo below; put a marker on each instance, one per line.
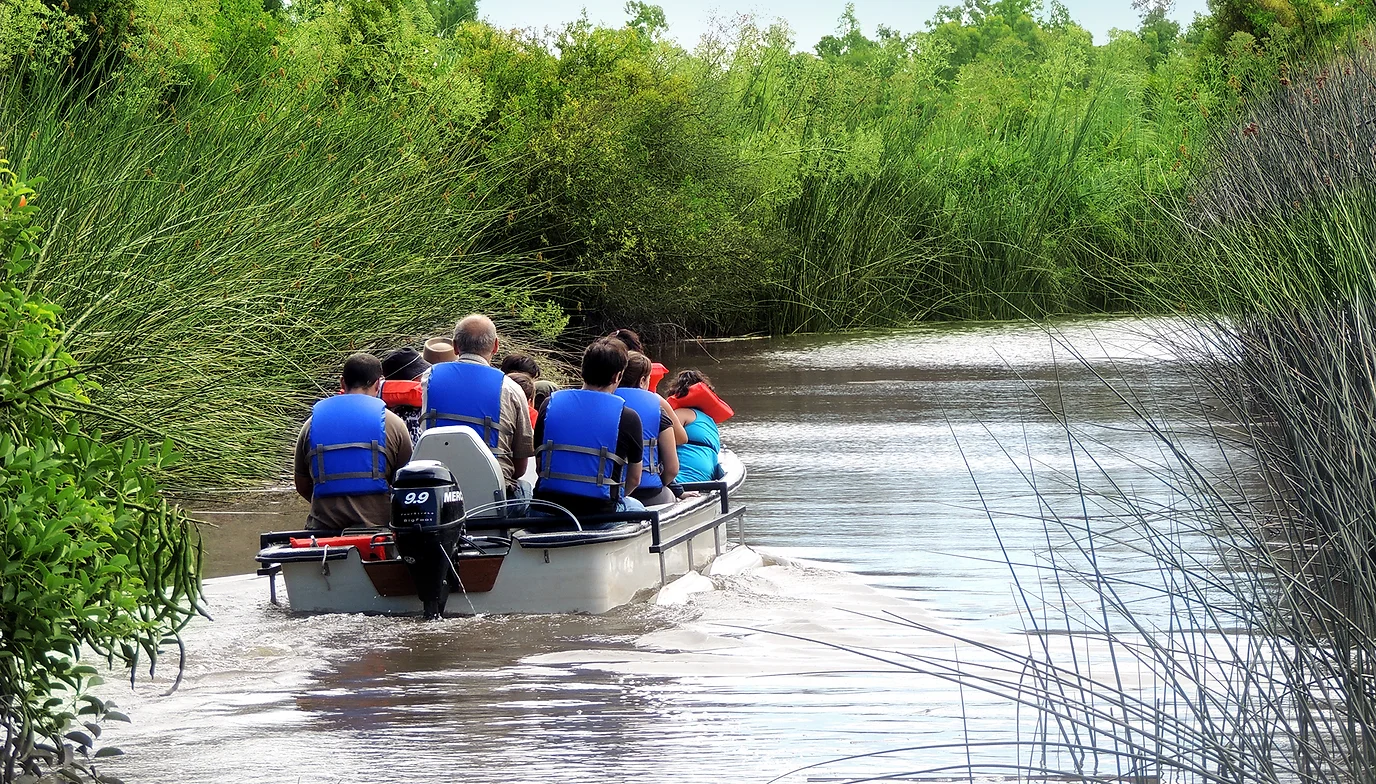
(370, 547)
(401, 393)
(701, 397)
(657, 374)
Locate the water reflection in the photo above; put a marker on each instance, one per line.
(879, 459)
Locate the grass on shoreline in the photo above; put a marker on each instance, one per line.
(214, 266)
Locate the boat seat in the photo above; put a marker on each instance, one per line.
(471, 463)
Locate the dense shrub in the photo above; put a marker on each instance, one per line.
(93, 560)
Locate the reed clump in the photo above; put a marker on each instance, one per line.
(217, 258)
(1248, 655)
(1245, 652)
(1256, 662)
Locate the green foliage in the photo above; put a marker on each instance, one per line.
(37, 35)
(362, 45)
(301, 180)
(647, 20)
(1159, 32)
(449, 14)
(322, 226)
(93, 559)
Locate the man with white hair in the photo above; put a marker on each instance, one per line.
(471, 393)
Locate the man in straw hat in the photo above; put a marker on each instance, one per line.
(348, 450)
(472, 393)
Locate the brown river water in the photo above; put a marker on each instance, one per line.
(890, 477)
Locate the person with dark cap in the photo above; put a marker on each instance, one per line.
(348, 450)
(632, 342)
(401, 372)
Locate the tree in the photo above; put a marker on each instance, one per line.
(1158, 31)
(646, 19)
(849, 39)
(449, 14)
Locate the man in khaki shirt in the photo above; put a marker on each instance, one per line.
(360, 501)
(475, 339)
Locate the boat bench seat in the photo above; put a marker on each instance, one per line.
(472, 464)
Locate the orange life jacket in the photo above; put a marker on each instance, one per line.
(701, 397)
(657, 374)
(401, 393)
(370, 547)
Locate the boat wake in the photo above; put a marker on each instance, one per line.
(770, 655)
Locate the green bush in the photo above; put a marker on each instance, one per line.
(93, 560)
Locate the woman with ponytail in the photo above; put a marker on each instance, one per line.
(697, 406)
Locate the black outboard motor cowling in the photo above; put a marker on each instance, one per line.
(428, 522)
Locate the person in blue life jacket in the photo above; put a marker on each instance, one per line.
(697, 406)
(348, 450)
(472, 393)
(589, 442)
(659, 432)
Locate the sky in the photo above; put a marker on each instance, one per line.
(809, 19)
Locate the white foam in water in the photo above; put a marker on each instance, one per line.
(678, 591)
(737, 560)
(771, 615)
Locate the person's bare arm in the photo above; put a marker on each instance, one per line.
(685, 417)
(668, 456)
(632, 478)
(519, 466)
(680, 435)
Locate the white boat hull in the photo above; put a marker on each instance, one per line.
(541, 572)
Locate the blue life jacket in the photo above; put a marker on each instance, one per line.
(646, 404)
(464, 393)
(697, 459)
(579, 456)
(347, 437)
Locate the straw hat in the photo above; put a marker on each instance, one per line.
(439, 350)
(403, 364)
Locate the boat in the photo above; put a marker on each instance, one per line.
(452, 551)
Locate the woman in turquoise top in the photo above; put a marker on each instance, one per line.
(697, 406)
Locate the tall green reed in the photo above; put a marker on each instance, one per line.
(219, 250)
(1186, 620)
(1260, 661)
(1244, 653)
(906, 197)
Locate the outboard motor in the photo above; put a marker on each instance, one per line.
(428, 522)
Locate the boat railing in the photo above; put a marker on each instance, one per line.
(659, 545)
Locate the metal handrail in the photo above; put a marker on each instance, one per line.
(659, 546)
(715, 486)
